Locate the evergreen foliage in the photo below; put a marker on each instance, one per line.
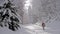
(8, 16)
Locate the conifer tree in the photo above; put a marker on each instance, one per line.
(8, 16)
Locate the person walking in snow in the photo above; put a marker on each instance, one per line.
(43, 25)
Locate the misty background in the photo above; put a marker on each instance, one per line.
(36, 11)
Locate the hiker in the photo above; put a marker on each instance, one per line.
(43, 25)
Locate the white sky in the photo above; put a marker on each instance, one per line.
(27, 5)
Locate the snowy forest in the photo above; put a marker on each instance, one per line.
(29, 16)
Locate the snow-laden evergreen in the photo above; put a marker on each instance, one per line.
(9, 16)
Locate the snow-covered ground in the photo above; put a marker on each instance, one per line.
(51, 28)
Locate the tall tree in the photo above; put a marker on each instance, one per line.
(9, 16)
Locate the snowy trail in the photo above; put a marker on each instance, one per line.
(36, 29)
(31, 29)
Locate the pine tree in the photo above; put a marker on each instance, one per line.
(8, 16)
